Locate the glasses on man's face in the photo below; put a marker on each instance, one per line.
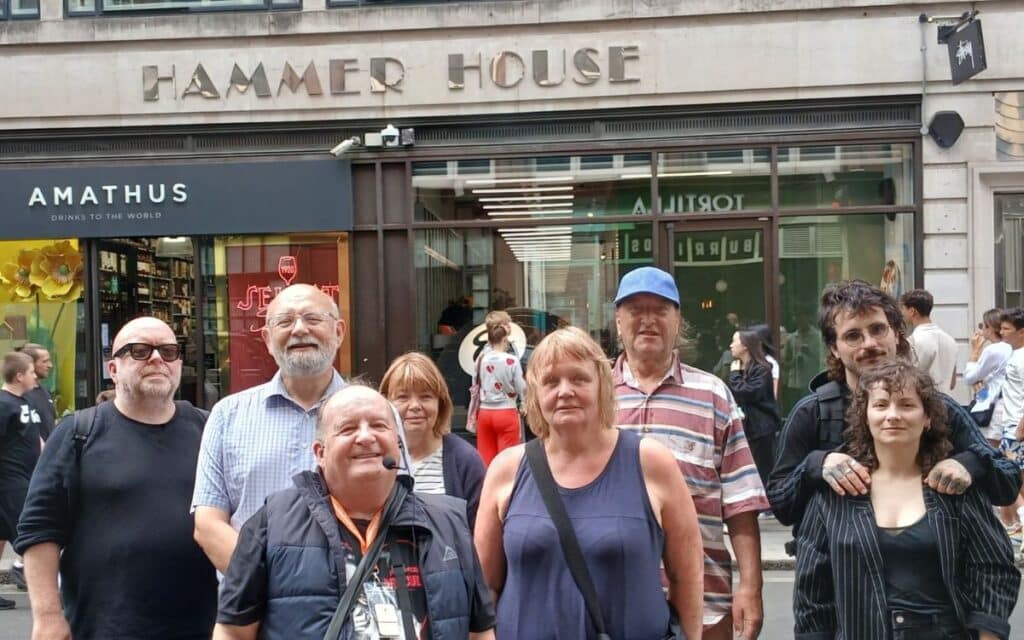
(855, 337)
(143, 351)
(288, 320)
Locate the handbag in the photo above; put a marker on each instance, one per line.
(537, 458)
(983, 416)
(474, 399)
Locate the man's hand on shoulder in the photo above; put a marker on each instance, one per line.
(949, 477)
(845, 475)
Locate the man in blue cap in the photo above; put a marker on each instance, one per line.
(692, 413)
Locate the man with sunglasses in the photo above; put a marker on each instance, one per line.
(258, 439)
(110, 512)
(862, 327)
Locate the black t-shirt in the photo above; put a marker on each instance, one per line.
(913, 574)
(19, 442)
(130, 568)
(42, 401)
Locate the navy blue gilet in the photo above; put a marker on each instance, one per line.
(621, 541)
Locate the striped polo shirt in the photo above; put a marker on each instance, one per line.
(693, 414)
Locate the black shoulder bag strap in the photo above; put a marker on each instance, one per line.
(355, 584)
(82, 425)
(538, 461)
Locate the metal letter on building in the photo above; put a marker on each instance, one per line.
(241, 83)
(292, 80)
(586, 64)
(541, 69)
(151, 79)
(617, 58)
(457, 71)
(339, 68)
(500, 69)
(200, 85)
(379, 75)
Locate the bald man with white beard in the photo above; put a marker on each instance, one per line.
(256, 440)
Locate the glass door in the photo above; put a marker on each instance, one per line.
(722, 272)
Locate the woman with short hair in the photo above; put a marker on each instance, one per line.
(903, 562)
(440, 462)
(625, 498)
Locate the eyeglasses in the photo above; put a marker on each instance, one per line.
(855, 337)
(310, 319)
(143, 351)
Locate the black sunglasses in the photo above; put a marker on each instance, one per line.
(142, 351)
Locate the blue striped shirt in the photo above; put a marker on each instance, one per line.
(254, 442)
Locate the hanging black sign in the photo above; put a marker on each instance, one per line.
(966, 52)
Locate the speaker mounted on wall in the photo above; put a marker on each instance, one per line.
(945, 128)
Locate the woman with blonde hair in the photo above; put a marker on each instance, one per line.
(626, 502)
(502, 388)
(440, 462)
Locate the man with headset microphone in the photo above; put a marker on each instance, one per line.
(410, 569)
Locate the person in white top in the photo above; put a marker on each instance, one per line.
(986, 371)
(1012, 445)
(934, 349)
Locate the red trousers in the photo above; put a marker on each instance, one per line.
(496, 429)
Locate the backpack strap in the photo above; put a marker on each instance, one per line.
(831, 414)
(83, 422)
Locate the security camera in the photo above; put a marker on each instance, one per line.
(345, 146)
(390, 135)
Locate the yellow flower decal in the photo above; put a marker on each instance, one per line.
(16, 276)
(57, 271)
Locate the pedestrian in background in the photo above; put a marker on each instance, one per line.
(259, 438)
(934, 349)
(985, 372)
(39, 396)
(764, 334)
(626, 501)
(750, 380)
(1011, 328)
(903, 562)
(19, 451)
(441, 462)
(108, 508)
(501, 390)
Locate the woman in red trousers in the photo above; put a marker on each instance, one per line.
(501, 389)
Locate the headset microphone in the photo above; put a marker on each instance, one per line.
(389, 463)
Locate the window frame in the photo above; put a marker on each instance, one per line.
(7, 15)
(98, 10)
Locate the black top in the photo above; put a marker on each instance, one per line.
(913, 579)
(42, 401)
(130, 568)
(753, 390)
(19, 442)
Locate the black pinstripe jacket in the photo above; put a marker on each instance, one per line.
(840, 581)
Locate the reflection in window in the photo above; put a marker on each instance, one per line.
(544, 276)
(846, 175)
(514, 189)
(1009, 231)
(817, 251)
(714, 181)
(41, 285)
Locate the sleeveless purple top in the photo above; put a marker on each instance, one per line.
(621, 541)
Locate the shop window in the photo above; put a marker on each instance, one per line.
(241, 275)
(817, 251)
(1009, 259)
(19, 9)
(41, 285)
(513, 189)
(838, 176)
(714, 181)
(545, 277)
(77, 8)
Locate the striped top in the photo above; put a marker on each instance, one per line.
(693, 414)
(429, 472)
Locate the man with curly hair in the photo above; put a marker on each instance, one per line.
(863, 327)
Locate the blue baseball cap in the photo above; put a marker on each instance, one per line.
(648, 280)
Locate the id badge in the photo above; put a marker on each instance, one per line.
(381, 600)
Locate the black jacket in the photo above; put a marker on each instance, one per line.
(815, 428)
(754, 393)
(840, 593)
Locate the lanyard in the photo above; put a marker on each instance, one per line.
(371, 531)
